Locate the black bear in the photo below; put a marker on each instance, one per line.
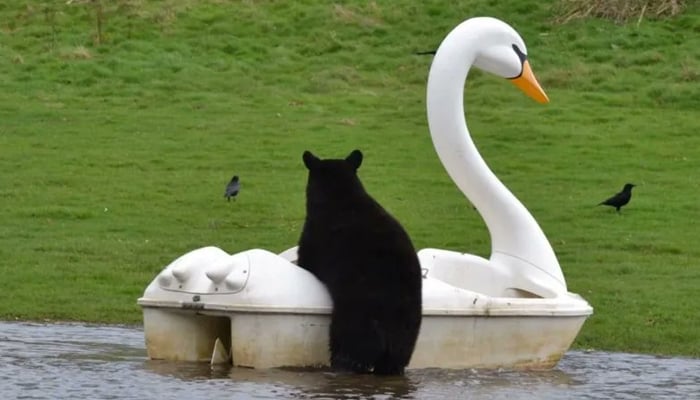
(369, 266)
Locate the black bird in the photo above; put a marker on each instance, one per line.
(620, 199)
(232, 188)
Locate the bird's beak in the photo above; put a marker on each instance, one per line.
(528, 84)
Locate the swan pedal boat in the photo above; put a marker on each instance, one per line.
(259, 309)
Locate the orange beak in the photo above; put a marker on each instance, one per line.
(528, 84)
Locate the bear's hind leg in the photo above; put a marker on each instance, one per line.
(399, 344)
(355, 344)
(389, 365)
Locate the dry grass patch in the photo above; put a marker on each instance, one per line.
(690, 71)
(349, 15)
(619, 11)
(76, 53)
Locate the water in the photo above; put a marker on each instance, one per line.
(75, 361)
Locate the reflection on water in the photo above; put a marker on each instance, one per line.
(62, 361)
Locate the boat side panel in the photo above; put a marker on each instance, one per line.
(493, 342)
(183, 336)
(279, 340)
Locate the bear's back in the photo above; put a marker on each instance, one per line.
(348, 237)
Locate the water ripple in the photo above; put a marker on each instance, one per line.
(78, 361)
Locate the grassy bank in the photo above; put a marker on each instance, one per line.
(116, 144)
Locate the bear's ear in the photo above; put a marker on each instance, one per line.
(310, 160)
(355, 159)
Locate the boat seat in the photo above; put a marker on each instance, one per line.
(480, 275)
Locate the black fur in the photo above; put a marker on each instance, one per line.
(369, 265)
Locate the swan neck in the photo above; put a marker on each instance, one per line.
(516, 238)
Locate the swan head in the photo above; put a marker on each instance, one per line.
(501, 51)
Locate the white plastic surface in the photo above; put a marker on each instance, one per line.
(519, 247)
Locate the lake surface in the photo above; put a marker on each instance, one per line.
(76, 361)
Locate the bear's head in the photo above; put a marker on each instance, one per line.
(333, 179)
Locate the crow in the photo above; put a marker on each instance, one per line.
(232, 188)
(620, 199)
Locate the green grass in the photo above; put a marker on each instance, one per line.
(114, 155)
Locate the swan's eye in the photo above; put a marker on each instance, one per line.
(522, 56)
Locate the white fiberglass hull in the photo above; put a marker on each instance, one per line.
(267, 312)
